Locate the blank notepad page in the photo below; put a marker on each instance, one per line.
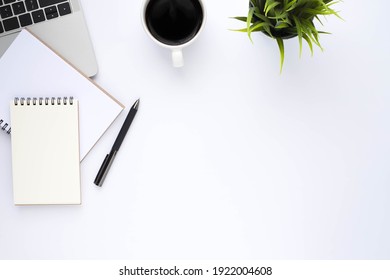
(45, 151)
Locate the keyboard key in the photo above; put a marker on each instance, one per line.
(1, 28)
(6, 12)
(64, 9)
(11, 24)
(51, 12)
(38, 16)
(8, 1)
(25, 20)
(45, 3)
(18, 8)
(31, 5)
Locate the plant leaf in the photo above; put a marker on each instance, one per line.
(308, 40)
(240, 18)
(249, 21)
(290, 5)
(270, 6)
(262, 17)
(259, 26)
(299, 31)
(281, 25)
(281, 50)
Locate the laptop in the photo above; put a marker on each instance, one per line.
(60, 24)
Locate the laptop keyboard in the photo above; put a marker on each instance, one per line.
(16, 14)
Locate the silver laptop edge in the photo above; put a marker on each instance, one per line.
(67, 35)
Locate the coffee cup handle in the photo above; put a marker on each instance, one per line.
(177, 58)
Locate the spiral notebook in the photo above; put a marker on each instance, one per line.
(30, 68)
(46, 168)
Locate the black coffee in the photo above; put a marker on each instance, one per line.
(174, 22)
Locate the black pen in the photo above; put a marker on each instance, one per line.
(117, 144)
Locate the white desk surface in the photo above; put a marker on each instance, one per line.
(226, 158)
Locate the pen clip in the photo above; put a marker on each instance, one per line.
(101, 176)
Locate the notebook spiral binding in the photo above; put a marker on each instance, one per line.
(43, 101)
(5, 126)
(36, 101)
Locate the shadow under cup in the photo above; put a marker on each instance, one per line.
(174, 22)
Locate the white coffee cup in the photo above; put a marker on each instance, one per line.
(176, 46)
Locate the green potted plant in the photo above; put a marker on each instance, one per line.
(284, 19)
